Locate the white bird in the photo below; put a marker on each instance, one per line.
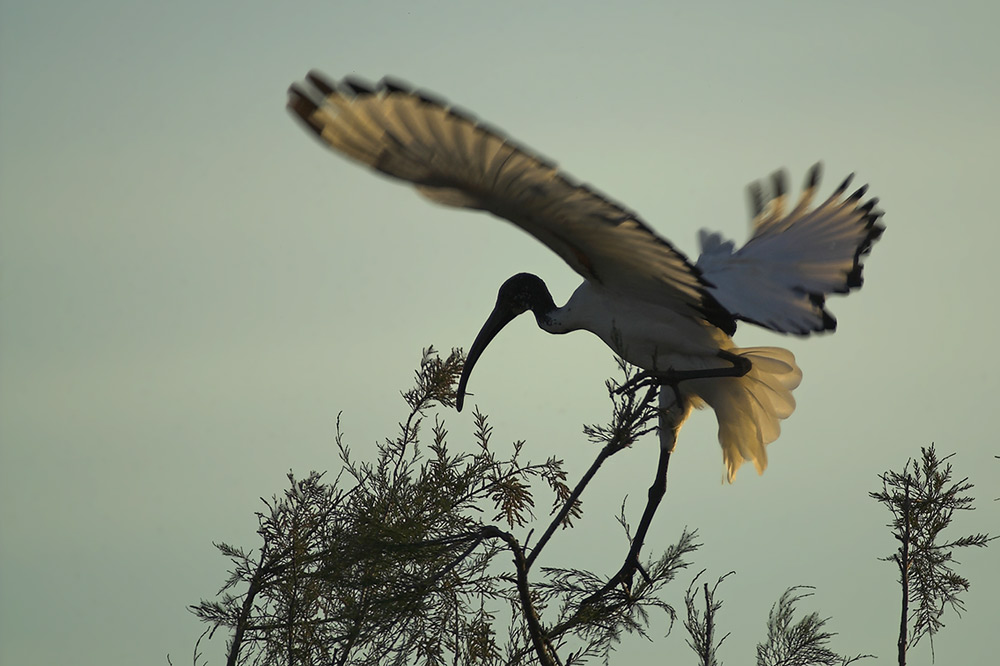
(640, 295)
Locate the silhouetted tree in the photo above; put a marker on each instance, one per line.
(402, 560)
(701, 628)
(788, 643)
(923, 499)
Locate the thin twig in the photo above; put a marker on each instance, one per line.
(605, 453)
(616, 444)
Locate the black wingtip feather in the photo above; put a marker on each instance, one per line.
(464, 114)
(321, 82)
(876, 232)
(297, 96)
(844, 185)
(358, 86)
(813, 177)
(868, 206)
(855, 278)
(430, 98)
(303, 107)
(780, 181)
(756, 199)
(859, 193)
(394, 85)
(829, 322)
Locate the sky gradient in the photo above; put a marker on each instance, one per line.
(191, 289)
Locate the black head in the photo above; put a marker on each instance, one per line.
(517, 295)
(525, 292)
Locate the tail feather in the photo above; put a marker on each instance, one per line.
(750, 408)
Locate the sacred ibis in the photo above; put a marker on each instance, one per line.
(645, 299)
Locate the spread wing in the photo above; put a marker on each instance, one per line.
(795, 258)
(455, 160)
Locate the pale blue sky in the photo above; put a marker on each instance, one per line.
(191, 288)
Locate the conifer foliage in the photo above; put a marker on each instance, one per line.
(423, 555)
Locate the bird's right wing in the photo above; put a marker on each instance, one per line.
(794, 259)
(456, 160)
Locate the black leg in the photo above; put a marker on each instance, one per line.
(632, 565)
(626, 574)
(740, 367)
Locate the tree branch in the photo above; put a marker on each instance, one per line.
(543, 648)
(623, 434)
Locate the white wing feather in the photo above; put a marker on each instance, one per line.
(455, 160)
(780, 279)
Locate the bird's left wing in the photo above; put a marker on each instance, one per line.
(795, 257)
(455, 160)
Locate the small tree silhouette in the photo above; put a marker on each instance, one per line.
(802, 643)
(701, 627)
(401, 560)
(923, 499)
(788, 643)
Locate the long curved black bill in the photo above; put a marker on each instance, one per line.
(501, 316)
